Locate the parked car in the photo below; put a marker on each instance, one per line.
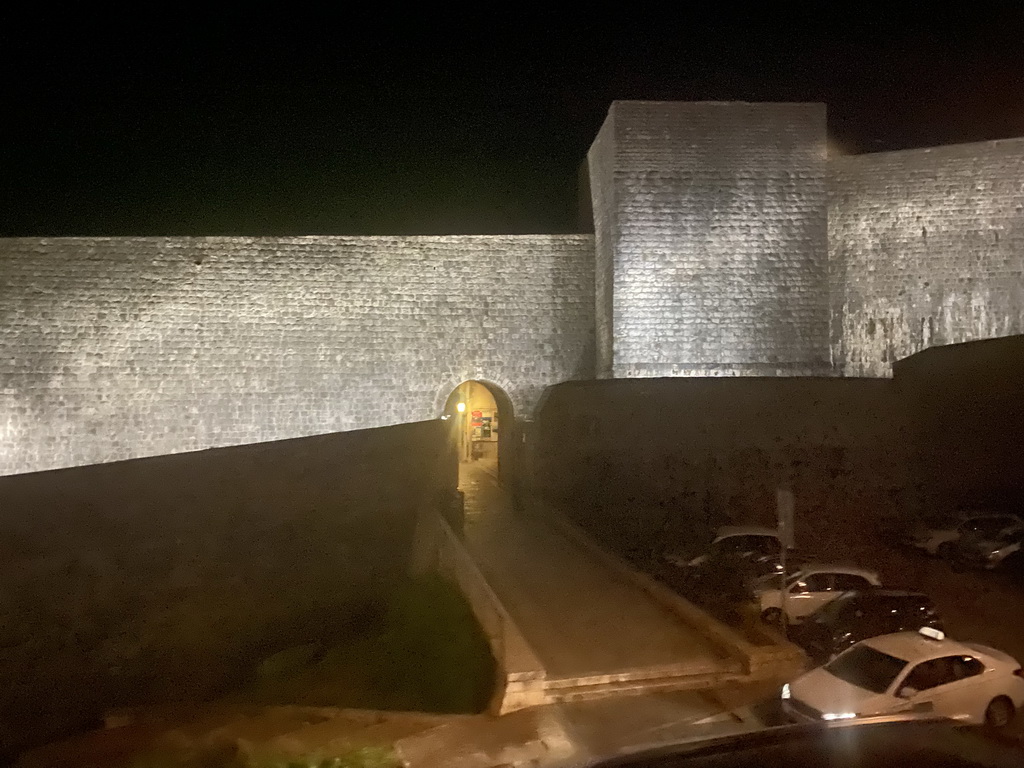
(748, 542)
(808, 590)
(938, 535)
(989, 553)
(856, 616)
(921, 671)
(728, 567)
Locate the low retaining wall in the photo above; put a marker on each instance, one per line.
(520, 673)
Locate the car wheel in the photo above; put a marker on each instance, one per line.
(999, 713)
(772, 616)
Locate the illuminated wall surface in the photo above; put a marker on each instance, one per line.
(725, 244)
(710, 224)
(926, 248)
(129, 347)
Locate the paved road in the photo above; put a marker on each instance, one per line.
(579, 617)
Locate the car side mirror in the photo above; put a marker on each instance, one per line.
(907, 692)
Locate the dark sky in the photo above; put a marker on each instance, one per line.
(356, 125)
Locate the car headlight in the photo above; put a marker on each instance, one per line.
(838, 715)
(786, 692)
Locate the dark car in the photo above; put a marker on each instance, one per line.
(856, 616)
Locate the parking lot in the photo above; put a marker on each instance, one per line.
(981, 606)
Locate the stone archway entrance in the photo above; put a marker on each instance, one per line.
(483, 427)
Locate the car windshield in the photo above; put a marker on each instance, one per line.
(867, 667)
(836, 610)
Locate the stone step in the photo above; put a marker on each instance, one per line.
(688, 669)
(636, 687)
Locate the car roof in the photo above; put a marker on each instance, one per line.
(888, 592)
(913, 646)
(745, 530)
(812, 568)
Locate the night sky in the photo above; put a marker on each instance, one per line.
(354, 125)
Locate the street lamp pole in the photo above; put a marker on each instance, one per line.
(461, 408)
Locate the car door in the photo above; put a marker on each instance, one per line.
(808, 594)
(950, 686)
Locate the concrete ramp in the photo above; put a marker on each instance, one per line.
(591, 622)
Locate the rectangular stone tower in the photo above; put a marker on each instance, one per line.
(711, 238)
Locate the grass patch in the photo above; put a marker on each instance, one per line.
(425, 651)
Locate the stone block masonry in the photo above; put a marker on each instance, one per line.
(710, 222)
(726, 243)
(117, 348)
(926, 248)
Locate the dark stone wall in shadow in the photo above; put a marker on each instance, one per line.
(645, 463)
(968, 410)
(165, 579)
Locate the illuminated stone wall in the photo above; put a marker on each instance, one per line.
(129, 347)
(926, 248)
(717, 251)
(710, 223)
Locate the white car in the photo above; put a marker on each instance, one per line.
(809, 589)
(939, 537)
(913, 672)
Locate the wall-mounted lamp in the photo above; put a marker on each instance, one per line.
(460, 407)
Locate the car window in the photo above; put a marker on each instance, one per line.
(734, 544)
(898, 611)
(867, 668)
(933, 673)
(816, 582)
(847, 581)
(765, 545)
(842, 609)
(966, 666)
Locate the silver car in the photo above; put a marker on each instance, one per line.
(939, 536)
(989, 552)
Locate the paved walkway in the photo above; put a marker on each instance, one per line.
(580, 618)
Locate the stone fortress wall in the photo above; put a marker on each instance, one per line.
(726, 243)
(926, 247)
(120, 348)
